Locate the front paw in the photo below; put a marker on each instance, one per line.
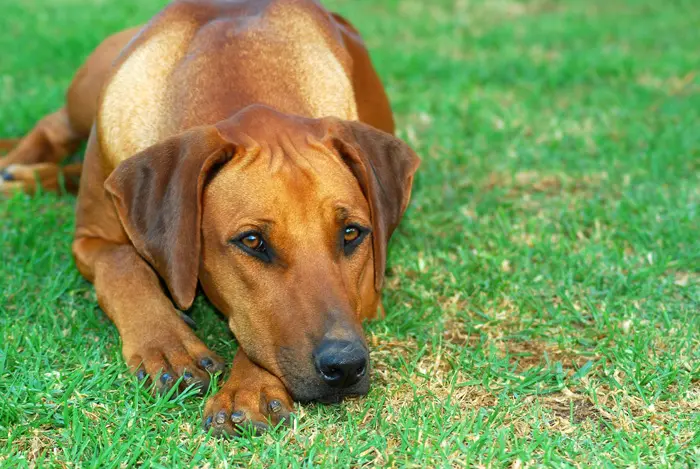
(165, 354)
(249, 406)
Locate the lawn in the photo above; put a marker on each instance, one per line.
(543, 292)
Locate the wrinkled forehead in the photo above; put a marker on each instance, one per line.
(285, 182)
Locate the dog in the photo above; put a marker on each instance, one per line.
(245, 147)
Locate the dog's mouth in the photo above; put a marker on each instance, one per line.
(338, 398)
(324, 395)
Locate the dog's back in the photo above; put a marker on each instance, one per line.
(199, 62)
(196, 62)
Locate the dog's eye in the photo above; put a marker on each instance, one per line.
(351, 234)
(352, 237)
(253, 243)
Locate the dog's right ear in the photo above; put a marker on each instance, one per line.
(158, 196)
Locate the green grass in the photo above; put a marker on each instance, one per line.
(543, 294)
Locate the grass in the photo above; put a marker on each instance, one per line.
(543, 294)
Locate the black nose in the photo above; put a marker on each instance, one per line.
(341, 363)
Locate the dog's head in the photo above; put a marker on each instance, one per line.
(284, 221)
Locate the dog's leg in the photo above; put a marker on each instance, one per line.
(7, 144)
(60, 134)
(36, 157)
(26, 178)
(50, 141)
(155, 341)
(251, 398)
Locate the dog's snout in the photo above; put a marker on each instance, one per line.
(341, 363)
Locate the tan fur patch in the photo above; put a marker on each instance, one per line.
(318, 72)
(131, 117)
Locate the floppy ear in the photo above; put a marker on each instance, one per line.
(384, 166)
(158, 196)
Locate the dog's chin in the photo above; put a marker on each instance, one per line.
(336, 398)
(306, 391)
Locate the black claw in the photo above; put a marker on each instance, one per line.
(275, 406)
(206, 363)
(188, 320)
(187, 377)
(165, 378)
(209, 365)
(207, 422)
(140, 375)
(260, 428)
(286, 420)
(221, 417)
(6, 176)
(238, 417)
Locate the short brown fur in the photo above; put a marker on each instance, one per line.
(215, 119)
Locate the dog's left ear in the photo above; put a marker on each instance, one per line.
(384, 166)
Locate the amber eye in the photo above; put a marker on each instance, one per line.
(350, 234)
(252, 241)
(352, 237)
(253, 244)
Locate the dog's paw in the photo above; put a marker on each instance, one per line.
(249, 403)
(8, 183)
(165, 355)
(27, 178)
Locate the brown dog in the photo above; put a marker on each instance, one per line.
(226, 150)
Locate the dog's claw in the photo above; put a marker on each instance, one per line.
(188, 320)
(275, 406)
(238, 417)
(221, 417)
(259, 428)
(210, 365)
(5, 175)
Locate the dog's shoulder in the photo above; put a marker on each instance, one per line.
(132, 106)
(194, 54)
